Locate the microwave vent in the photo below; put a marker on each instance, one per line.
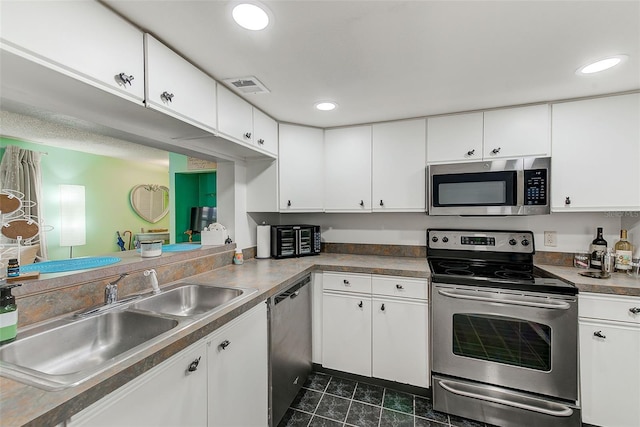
(247, 85)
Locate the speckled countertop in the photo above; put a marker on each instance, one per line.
(22, 404)
(618, 283)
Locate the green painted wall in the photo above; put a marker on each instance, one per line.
(189, 188)
(108, 182)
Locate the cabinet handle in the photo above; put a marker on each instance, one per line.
(634, 310)
(346, 282)
(125, 78)
(381, 203)
(362, 203)
(471, 152)
(382, 307)
(495, 150)
(261, 141)
(567, 200)
(360, 304)
(599, 334)
(288, 203)
(224, 344)
(193, 366)
(399, 287)
(247, 135)
(166, 96)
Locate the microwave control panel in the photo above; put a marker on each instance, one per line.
(535, 187)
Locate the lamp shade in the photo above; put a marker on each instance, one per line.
(72, 215)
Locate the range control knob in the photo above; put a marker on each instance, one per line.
(525, 242)
(513, 242)
(445, 239)
(434, 239)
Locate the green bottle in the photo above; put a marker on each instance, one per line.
(8, 313)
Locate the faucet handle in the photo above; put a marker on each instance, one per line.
(111, 293)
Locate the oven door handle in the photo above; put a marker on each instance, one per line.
(558, 305)
(562, 411)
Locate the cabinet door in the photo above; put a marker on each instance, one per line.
(84, 40)
(610, 373)
(177, 88)
(456, 138)
(515, 132)
(400, 341)
(265, 132)
(168, 395)
(399, 162)
(238, 372)
(346, 333)
(301, 168)
(596, 154)
(235, 116)
(347, 172)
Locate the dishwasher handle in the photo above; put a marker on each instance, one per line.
(292, 292)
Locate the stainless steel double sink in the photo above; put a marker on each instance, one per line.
(68, 351)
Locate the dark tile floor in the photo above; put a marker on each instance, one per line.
(330, 401)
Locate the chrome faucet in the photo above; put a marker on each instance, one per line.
(151, 273)
(111, 290)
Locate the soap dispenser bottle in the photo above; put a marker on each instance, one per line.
(8, 313)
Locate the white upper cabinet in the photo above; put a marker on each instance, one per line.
(495, 134)
(241, 122)
(398, 177)
(301, 168)
(455, 138)
(516, 132)
(347, 172)
(235, 116)
(265, 132)
(177, 88)
(596, 153)
(82, 39)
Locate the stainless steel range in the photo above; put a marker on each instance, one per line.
(504, 342)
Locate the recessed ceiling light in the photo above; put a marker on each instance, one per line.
(602, 64)
(326, 106)
(250, 16)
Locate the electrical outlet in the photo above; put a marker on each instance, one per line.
(550, 238)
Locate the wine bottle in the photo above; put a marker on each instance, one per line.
(598, 248)
(624, 250)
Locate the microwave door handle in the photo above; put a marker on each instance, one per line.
(298, 241)
(520, 191)
(556, 305)
(562, 411)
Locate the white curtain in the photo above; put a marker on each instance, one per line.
(20, 171)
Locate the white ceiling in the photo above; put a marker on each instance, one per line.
(385, 60)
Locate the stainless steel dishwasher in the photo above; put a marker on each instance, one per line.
(289, 345)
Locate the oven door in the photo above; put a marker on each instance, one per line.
(506, 338)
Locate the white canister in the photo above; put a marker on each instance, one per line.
(263, 241)
(152, 248)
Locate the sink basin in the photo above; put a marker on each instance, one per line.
(189, 300)
(67, 353)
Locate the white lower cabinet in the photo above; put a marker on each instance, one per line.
(400, 333)
(610, 360)
(168, 395)
(226, 386)
(346, 333)
(376, 326)
(238, 372)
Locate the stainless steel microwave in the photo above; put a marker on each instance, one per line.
(496, 187)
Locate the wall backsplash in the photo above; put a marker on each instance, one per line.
(575, 231)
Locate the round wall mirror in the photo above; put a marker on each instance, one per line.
(150, 201)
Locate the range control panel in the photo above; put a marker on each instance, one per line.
(478, 240)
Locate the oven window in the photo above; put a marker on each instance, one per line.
(502, 339)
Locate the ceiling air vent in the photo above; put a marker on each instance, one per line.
(246, 85)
